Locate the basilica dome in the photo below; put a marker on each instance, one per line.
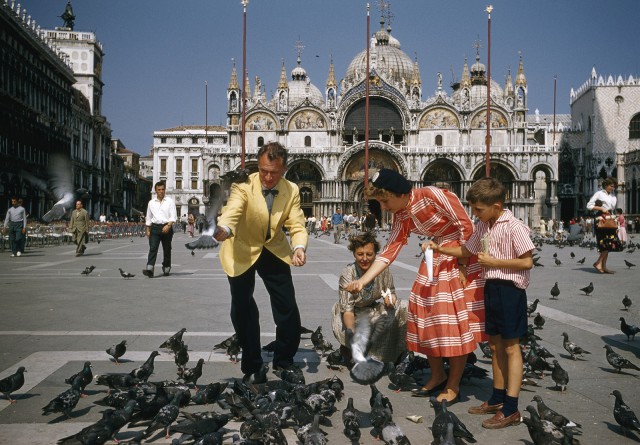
(301, 88)
(386, 57)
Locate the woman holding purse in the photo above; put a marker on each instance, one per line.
(606, 227)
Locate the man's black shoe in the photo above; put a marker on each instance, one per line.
(147, 273)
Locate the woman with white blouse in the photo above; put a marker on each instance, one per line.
(609, 201)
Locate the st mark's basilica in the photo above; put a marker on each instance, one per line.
(434, 134)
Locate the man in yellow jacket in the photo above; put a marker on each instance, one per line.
(251, 228)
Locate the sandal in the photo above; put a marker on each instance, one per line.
(598, 269)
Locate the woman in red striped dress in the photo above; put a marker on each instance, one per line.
(446, 315)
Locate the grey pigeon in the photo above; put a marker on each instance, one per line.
(380, 414)
(65, 402)
(144, 372)
(174, 342)
(629, 264)
(552, 416)
(560, 376)
(103, 430)
(375, 394)
(486, 349)
(571, 347)
(351, 422)
(587, 290)
(181, 356)
(117, 351)
(198, 425)
(555, 291)
(166, 416)
(539, 321)
(629, 330)
(582, 260)
(126, 275)
(618, 361)
(367, 370)
(115, 381)
(399, 378)
(624, 415)
(12, 383)
(449, 438)
(393, 435)
(543, 432)
(191, 375)
(209, 393)
(558, 262)
(84, 377)
(443, 418)
(572, 255)
(87, 270)
(626, 302)
(532, 307)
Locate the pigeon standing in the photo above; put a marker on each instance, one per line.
(443, 418)
(560, 376)
(181, 357)
(571, 347)
(65, 402)
(587, 290)
(166, 416)
(173, 342)
(624, 415)
(191, 375)
(618, 361)
(144, 372)
(555, 291)
(626, 302)
(629, 330)
(351, 422)
(558, 262)
(117, 351)
(83, 377)
(572, 255)
(539, 321)
(629, 264)
(87, 270)
(582, 260)
(557, 419)
(393, 435)
(12, 383)
(126, 275)
(532, 307)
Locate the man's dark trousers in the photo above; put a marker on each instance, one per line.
(245, 316)
(155, 238)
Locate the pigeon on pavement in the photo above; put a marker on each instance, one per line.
(629, 330)
(618, 361)
(532, 307)
(83, 377)
(181, 356)
(558, 262)
(174, 342)
(560, 376)
(12, 383)
(126, 275)
(552, 416)
(582, 260)
(191, 375)
(624, 415)
(87, 270)
(65, 402)
(443, 418)
(393, 435)
(626, 302)
(555, 291)
(571, 347)
(117, 351)
(629, 264)
(144, 372)
(587, 290)
(543, 432)
(166, 416)
(351, 422)
(539, 321)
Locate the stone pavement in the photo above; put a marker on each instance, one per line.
(53, 319)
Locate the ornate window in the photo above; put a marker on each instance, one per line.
(307, 141)
(260, 141)
(439, 140)
(634, 127)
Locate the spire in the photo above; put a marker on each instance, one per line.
(331, 80)
(415, 78)
(282, 84)
(68, 17)
(508, 87)
(233, 83)
(466, 80)
(521, 80)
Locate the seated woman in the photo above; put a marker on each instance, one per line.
(376, 299)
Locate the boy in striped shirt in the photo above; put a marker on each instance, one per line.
(504, 251)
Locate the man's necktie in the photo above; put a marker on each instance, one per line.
(269, 195)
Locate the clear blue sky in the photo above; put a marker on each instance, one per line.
(159, 53)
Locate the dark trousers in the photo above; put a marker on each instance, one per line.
(155, 238)
(245, 316)
(16, 237)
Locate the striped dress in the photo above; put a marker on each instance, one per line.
(445, 319)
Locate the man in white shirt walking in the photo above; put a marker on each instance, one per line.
(16, 222)
(161, 215)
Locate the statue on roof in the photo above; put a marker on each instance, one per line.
(68, 17)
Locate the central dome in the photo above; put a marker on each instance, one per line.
(387, 58)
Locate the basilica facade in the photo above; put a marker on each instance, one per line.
(432, 137)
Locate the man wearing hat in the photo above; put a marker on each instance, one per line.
(440, 322)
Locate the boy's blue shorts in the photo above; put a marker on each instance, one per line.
(505, 308)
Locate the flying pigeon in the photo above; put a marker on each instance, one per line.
(125, 275)
(87, 270)
(587, 290)
(618, 361)
(367, 370)
(626, 302)
(174, 342)
(560, 376)
(571, 347)
(117, 351)
(629, 330)
(624, 415)
(629, 264)
(206, 240)
(555, 291)
(532, 307)
(539, 321)
(12, 383)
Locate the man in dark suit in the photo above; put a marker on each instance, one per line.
(251, 228)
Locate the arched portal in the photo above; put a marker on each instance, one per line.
(501, 173)
(444, 174)
(385, 121)
(308, 178)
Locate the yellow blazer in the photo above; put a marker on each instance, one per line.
(247, 216)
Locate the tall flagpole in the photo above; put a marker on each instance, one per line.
(244, 76)
(554, 110)
(206, 113)
(488, 136)
(366, 112)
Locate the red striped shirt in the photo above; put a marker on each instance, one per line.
(508, 239)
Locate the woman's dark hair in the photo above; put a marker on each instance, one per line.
(609, 181)
(357, 241)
